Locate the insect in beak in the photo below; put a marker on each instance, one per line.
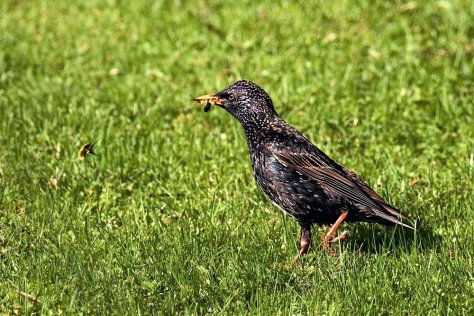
(207, 107)
(209, 100)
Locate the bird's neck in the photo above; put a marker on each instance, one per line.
(256, 128)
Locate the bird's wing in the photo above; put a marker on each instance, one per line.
(358, 180)
(336, 183)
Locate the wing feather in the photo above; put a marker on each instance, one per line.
(343, 183)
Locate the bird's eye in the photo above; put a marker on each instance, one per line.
(231, 97)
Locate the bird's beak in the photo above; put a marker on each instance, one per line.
(211, 97)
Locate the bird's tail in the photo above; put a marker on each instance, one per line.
(393, 216)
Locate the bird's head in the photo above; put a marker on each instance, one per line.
(244, 100)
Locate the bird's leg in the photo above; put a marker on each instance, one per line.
(305, 240)
(327, 241)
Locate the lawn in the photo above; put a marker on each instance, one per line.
(167, 219)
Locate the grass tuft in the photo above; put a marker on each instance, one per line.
(167, 219)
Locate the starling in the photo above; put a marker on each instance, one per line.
(295, 175)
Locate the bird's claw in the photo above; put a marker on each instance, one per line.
(328, 242)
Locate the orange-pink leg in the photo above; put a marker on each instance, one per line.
(327, 241)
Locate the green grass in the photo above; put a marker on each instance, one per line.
(167, 219)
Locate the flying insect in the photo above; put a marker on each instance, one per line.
(87, 149)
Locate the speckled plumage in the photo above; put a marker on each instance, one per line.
(293, 173)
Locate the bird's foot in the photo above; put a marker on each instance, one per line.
(293, 263)
(301, 253)
(327, 247)
(295, 259)
(327, 243)
(342, 236)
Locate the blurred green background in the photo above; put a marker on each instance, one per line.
(167, 219)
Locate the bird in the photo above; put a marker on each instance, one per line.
(295, 175)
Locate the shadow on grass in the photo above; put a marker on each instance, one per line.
(369, 238)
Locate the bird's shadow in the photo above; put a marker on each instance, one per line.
(375, 239)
